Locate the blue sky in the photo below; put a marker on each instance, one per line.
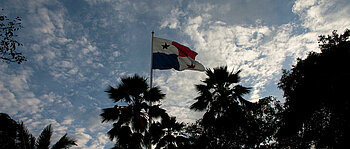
(76, 49)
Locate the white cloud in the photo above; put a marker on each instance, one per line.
(179, 89)
(53, 99)
(82, 137)
(243, 48)
(66, 56)
(16, 96)
(116, 53)
(67, 121)
(172, 20)
(301, 5)
(98, 143)
(86, 140)
(73, 71)
(323, 16)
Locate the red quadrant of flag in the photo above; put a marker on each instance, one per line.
(184, 51)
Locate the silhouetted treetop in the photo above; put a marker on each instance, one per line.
(220, 90)
(317, 99)
(229, 120)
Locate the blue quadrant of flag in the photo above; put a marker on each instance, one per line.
(165, 61)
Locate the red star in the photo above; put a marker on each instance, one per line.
(190, 66)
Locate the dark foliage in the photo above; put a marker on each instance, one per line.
(8, 44)
(43, 141)
(8, 132)
(231, 121)
(26, 140)
(168, 131)
(64, 142)
(14, 135)
(317, 99)
(132, 120)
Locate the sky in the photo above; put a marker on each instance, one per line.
(77, 48)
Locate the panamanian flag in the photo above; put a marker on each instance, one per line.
(169, 54)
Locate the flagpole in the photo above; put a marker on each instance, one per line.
(151, 85)
(151, 77)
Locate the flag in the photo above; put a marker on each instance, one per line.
(169, 54)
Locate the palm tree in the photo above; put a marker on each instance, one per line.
(132, 112)
(220, 91)
(222, 98)
(15, 135)
(43, 141)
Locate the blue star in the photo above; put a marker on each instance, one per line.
(165, 46)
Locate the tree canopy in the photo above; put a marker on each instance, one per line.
(8, 44)
(230, 121)
(317, 99)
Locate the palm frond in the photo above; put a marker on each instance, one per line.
(124, 136)
(154, 94)
(64, 142)
(26, 140)
(219, 76)
(43, 141)
(126, 114)
(129, 89)
(113, 133)
(201, 103)
(203, 89)
(234, 77)
(133, 86)
(241, 90)
(110, 114)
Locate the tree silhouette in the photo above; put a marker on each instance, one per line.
(16, 136)
(221, 97)
(266, 117)
(168, 131)
(317, 99)
(230, 121)
(8, 131)
(131, 114)
(220, 91)
(196, 137)
(25, 139)
(8, 44)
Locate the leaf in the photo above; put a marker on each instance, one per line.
(64, 142)
(110, 114)
(28, 140)
(43, 141)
